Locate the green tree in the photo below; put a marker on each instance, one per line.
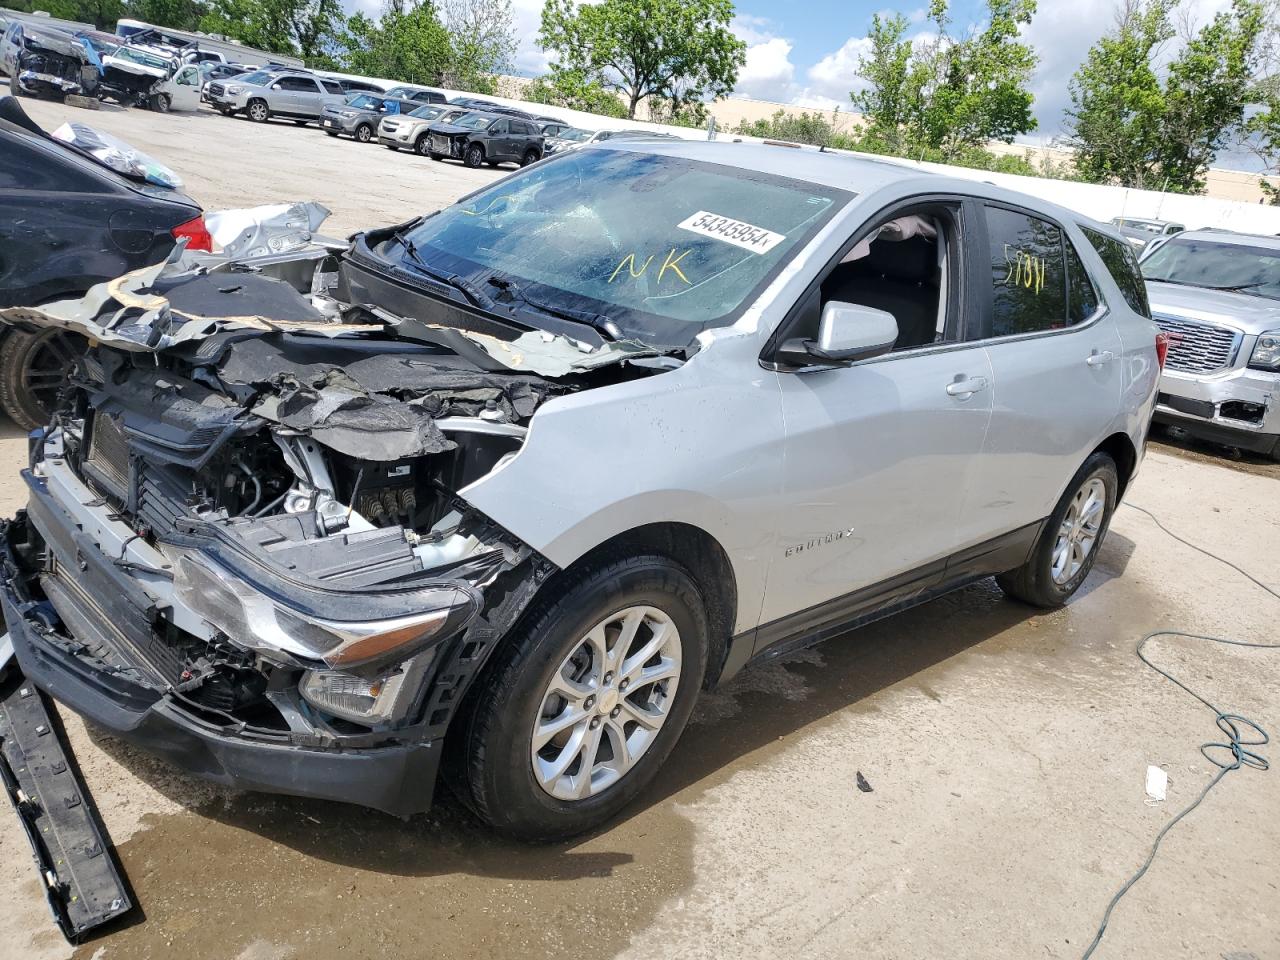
(890, 100)
(1117, 100)
(951, 92)
(482, 38)
(573, 90)
(1133, 127)
(407, 45)
(308, 28)
(179, 14)
(680, 50)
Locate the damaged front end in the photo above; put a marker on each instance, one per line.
(245, 547)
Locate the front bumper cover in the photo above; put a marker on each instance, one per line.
(1240, 407)
(397, 777)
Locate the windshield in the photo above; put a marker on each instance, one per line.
(257, 78)
(473, 121)
(662, 246)
(426, 113)
(143, 59)
(1219, 266)
(574, 133)
(401, 93)
(362, 101)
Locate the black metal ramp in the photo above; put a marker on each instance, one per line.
(77, 869)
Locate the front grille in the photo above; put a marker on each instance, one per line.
(215, 89)
(109, 452)
(1196, 347)
(389, 126)
(440, 144)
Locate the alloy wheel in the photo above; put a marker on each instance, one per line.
(606, 703)
(363, 133)
(1079, 531)
(49, 363)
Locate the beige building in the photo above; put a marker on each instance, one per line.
(734, 111)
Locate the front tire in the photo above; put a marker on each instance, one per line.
(474, 156)
(160, 103)
(586, 699)
(257, 111)
(364, 133)
(1068, 545)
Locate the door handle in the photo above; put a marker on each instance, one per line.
(1097, 359)
(964, 387)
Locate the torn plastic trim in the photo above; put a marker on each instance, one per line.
(126, 314)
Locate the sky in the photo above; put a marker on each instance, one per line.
(807, 53)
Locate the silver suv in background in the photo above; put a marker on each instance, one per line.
(1217, 295)
(1142, 232)
(409, 131)
(289, 95)
(562, 456)
(360, 115)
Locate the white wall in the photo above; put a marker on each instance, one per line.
(1092, 200)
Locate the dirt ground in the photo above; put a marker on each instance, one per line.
(1006, 750)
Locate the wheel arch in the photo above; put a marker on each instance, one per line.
(694, 549)
(1119, 447)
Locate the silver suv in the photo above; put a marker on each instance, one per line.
(515, 481)
(1217, 295)
(261, 95)
(409, 131)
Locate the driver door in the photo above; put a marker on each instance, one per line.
(184, 88)
(879, 455)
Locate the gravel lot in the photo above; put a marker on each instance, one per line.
(1006, 749)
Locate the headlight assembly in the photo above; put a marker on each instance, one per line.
(1266, 352)
(381, 628)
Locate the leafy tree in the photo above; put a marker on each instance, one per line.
(679, 50)
(891, 98)
(482, 39)
(1117, 99)
(1131, 126)
(574, 91)
(410, 46)
(308, 28)
(948, 93)
(179, 14)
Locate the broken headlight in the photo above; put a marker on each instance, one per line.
(253, 619)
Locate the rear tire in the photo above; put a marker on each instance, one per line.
(517, 789)
(530, 156)
(33, 369)
(1068, 545)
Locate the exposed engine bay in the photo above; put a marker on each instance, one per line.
(280, 469)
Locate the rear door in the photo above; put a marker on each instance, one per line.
(1056, 359)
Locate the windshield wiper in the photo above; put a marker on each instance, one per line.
(474, 295)
(1210, 286)
(596, 321)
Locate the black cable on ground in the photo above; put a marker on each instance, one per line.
(1233, 726)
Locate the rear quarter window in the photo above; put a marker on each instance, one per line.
(1122, 263)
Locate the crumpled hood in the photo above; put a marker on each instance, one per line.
(449, 130)
(1227, 308)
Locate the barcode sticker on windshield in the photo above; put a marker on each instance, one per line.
(740, 234)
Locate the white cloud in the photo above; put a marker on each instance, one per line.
(528, 59)
(836, 74)
(768, 73)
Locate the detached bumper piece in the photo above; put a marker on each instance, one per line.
(81, 881)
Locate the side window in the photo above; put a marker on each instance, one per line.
(499, 127)
(332, 86)
(1121, 262)
(1029, 290)
(298, 84)
(1082, 298)
(187, 77)
(901, 268)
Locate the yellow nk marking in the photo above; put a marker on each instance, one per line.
(672, 263)
(629, 261)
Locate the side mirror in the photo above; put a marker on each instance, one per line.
(847, 332)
